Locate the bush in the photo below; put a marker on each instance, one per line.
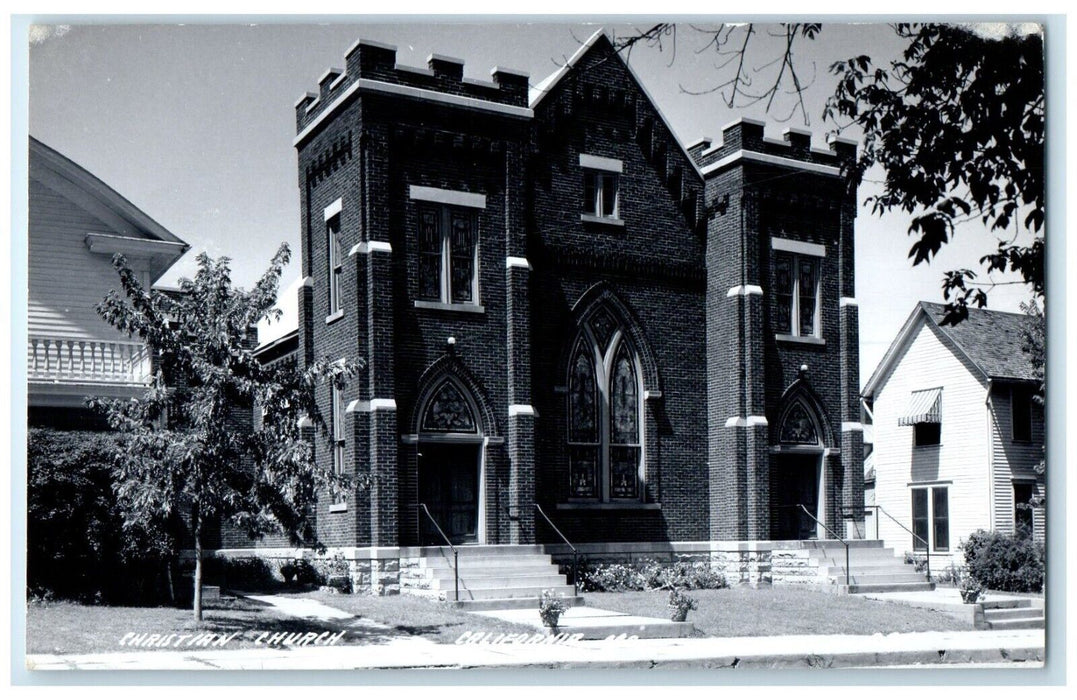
(1003, 562)
(648, 574)
(245, 573)
(78, 546)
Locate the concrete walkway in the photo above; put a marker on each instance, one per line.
(595, 623)
(801, 651)
(947, 600)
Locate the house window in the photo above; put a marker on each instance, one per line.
(336, 417)
(931, 518)
(927, 434)
(448, 255)
(600, 194)
(604, 414)
(1021, 414)
(796, 289)
(336, 262)
(1022, 509)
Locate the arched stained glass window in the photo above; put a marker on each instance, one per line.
(797, 427)
(604, 413)
(448, 411)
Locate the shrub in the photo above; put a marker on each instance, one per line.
(336, 572)
(1004, 562)
(78, 546)
(246, 573)
(648, 574)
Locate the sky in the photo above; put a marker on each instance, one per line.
(194, 123)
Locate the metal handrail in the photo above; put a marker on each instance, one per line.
(575, 552)
(927, 546)
(832, 533)
(455, 553)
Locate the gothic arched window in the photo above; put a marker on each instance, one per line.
(448, 411)
(797, 426)
(604, 410)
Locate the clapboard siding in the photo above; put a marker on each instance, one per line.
(961, 461)
(1014, 460)
(66, 279)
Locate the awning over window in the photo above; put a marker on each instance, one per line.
(924, 407)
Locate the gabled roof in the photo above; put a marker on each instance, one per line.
(991, 341)
(539, 92)
(130, 223)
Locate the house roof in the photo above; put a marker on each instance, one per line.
(992, 342)
(133, 227)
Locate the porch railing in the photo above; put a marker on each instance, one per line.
(575, 552)
(74, 360)
(927, 547)
(833, 534)
(455, 553)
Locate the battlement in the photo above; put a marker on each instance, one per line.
(747, 136)
(373, 64)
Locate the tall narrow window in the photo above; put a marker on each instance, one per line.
(337, 438)
(336, 262)
(448, 255)
(796, 292)
(931, 518)
(604, 414)
(1021, 414)
(1022, 509)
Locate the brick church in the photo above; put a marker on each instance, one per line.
(560, 304)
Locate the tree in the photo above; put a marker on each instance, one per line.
(957, 125)
(190, 448)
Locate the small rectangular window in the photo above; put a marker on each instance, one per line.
(600, 196)
(336, 262)
(1021, 414)
(1022, 509)
(927, 434)
(796, 291)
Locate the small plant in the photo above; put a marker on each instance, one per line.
(551, 607)
(971, 589)
(679, 605)
(288, 571)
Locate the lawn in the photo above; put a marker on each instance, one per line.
(71, 628)
(747, 612)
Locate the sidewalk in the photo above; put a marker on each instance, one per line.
(802, 651)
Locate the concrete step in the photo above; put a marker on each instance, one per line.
(1006, 603)
(513, 562)
(996, 614)
(853, 544)
(873, 568)
(1017, 623)
(886, 577)
(471, 582)
(484, 550)
(856, 554)
(890, 587)
(532, 592)
(512, 603)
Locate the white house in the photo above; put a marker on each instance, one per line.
(76, 224)
(957, 434)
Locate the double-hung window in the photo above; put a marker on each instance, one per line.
(1021, 414)
(1023, 492)
(448, 255)
(796, 290)
(931, 518)
(334, 257)
(601, 188)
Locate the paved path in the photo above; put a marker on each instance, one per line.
(800, 651)
(596, 623)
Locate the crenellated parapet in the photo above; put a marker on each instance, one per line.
(371, 66)
(745, 140)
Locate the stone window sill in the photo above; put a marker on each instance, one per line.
(611, 505)
(334, 317)
(801, 339)
(604, 220)
(338, 508)
(441, 306)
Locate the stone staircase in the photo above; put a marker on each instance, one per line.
(1009, 614)
(872, 567)
(492, 577)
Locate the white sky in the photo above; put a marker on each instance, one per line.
(194, 123)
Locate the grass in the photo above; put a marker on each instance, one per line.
(412, 615)
(746, 612)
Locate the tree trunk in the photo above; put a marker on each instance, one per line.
(197, 517)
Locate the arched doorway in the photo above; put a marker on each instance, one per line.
(450, 465)
(797, 477)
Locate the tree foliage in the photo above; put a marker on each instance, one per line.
(191, 448)
(957, 124)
